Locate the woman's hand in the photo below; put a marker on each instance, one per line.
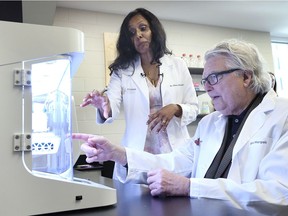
(99, 100)
(98, 148)
(164, 183)
(163, 116)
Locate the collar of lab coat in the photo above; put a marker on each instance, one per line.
(165, 66)
(254, 122)
(140, 80)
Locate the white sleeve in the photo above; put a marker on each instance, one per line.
(189, 104)
(179, 161)
(114, 94)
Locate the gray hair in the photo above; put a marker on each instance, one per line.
(244, 55)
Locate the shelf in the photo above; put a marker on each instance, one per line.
(201, 115)
(195, 70)
(200, 91)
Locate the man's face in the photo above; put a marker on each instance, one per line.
(230, 94)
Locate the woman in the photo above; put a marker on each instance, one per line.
(156, 89)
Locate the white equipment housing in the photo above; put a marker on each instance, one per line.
(36, 149)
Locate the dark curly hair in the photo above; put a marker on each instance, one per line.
(126, 52)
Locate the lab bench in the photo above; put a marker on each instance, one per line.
(135, 199)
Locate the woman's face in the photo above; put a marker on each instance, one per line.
(140, 34)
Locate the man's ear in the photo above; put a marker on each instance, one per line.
(247, 77)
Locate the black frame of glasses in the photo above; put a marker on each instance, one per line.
(216, 74)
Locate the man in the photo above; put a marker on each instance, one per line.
(239, 152)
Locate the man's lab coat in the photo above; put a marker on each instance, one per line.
(259, 169)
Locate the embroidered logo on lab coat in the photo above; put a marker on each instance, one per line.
(175, 85)
(197, 141)
(264, 142)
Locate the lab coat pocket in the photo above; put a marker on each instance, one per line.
(254, 152)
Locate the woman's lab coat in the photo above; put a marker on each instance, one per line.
(131, 89)
(259, 169)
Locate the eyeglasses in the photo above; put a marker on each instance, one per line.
(213, 78)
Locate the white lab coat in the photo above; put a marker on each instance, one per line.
(259, 169)
(131, 89)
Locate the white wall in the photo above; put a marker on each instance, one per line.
(38, 12)
(182, 38)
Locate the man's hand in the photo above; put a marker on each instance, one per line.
(164, 183)
(98, 148)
